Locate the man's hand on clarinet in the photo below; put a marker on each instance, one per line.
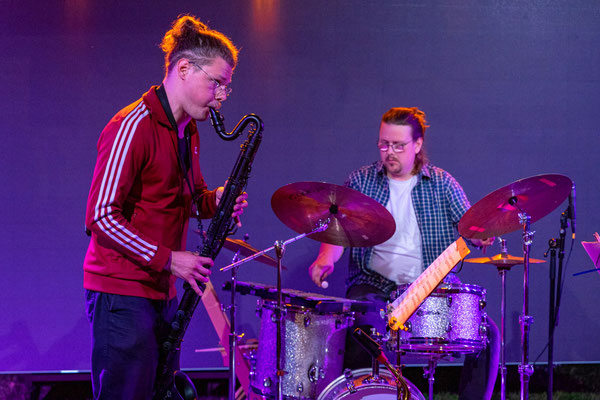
(191, 268)
(238, 208)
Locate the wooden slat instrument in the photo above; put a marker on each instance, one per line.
(408, 302)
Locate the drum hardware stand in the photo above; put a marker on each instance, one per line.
(279, 247)
(525, 320)
(502, 270)
(429, 372)
(233, 336)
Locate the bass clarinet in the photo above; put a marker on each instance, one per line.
(172, 384)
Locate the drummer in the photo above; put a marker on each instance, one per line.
(427, 204)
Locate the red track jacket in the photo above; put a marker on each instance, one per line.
(139, 204)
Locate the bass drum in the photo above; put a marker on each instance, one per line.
(360, 385)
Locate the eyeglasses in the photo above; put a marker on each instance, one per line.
(218, 86)
(396, 147)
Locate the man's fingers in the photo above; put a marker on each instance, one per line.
(194, 286)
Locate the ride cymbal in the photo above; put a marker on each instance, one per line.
(498, 212)
(356, 220)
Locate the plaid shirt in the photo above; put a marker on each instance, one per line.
(439, 203)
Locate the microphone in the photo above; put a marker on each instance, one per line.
(572, 209)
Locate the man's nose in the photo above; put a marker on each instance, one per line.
(220, 96)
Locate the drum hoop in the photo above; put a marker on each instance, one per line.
(466, 288)
(297, 309)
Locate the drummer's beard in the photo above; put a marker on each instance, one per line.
(393, 166)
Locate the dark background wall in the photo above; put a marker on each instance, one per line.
(510, 90)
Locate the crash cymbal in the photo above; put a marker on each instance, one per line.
(502, 260)
(246, 250)
(498, 212)
(356, 220)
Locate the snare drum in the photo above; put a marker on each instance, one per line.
(451, 320)
(359, 384)
(312, 349)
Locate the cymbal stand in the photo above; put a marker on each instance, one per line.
(279, 247)
(502, 270)
(525, 320)
(429, 373)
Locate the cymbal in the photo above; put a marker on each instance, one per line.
(502, 260)
(356, 220)
(498, 212)
(246, 250)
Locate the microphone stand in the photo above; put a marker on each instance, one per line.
(552, 243)
(561, 257)
(555, 293)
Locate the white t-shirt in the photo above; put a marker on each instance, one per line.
(400, 258)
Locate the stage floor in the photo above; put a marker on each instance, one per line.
(579, 381)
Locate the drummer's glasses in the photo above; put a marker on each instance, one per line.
(218, 86)
(396, 147)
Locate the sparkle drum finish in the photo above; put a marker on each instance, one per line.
(451, 320)
(312, 350)
(361, 385)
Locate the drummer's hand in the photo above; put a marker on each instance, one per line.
(319, 270)
(238, 208)
(483, 243)
(190, 267)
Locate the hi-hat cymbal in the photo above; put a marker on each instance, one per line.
(246, 250)
(356, 220)
(502, 260)
(498, 212)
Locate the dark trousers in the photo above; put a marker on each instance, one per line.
(478, 376)
(126, 334)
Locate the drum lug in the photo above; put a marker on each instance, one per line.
(267, 382)
(349, 380)
(274, 314)
(482, 304)
(483, 330)
(300, 387)
(449, 300)
(449, 327)
(306, 321)
(258, 309)
(315, 373)
(251, 357)
(408, 326)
